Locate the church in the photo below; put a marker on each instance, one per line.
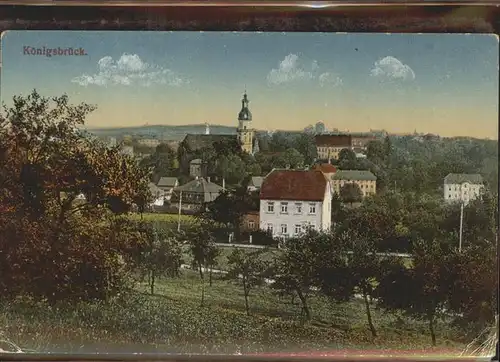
(245, 137)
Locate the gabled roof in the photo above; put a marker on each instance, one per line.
(167, 182)
(354, 175)
(299, 185)
(201, 186)
(153, 189)
(196, 161)
(326, 140)
(199, 141)
(459, 178)
(326, 168)
(256, 181)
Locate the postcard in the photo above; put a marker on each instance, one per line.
(272, 194)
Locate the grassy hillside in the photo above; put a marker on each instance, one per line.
(173, 321)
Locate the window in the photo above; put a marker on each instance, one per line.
(270, 207)
(284, 207)
(251, 224)
(298, 206)
(283, 229)
(312, 208)
(270, 228)
(298, 229)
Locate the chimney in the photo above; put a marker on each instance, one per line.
(223, 183)
(196, 178)
(208, 179)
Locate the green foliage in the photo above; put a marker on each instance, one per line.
(420, 291)
(161, 252)
(230, 207)
(297, 266)
(54, 245)
(247, 268)
(163, 162)
(351, 193)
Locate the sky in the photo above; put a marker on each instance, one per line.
(433, 83)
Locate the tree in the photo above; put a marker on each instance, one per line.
(351, 268)
(473, 285)
(305, 145)
(421, 291)
(231, 168)
(248, 268)
(229, 208)
(297, 266)
(161, 254)
(163, 162)
(203, 250)
(75, 245)
(347, 160)
(351, 193)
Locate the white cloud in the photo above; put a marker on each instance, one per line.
(392, 68)
(328, 78)
(129, 69)
(292, 68)
(289, 70)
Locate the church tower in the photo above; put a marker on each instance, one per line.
(245, 130)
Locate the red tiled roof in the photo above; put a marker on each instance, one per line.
(300, 185)
(326, 168)
(333, 140)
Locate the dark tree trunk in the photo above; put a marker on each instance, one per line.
(210, 276)
(152, 282)
(305, 306)
(431, 329)
(369, 315)
(246, 292)
(202, 286)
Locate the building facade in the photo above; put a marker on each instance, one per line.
(366, 181)
(167, 184)
(461, 187)
(329, 146)
(293, 200)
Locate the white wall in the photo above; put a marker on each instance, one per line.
(466, 192)
(321, 219)
(326, 214)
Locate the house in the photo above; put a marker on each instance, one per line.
(462, 187)
(361, 140)
(255, 183)
(327, 168)
(366, 181)
(157, 193)
(167, 184)
(250, 221)
(195, 193)
(329, 146)
(292, 200)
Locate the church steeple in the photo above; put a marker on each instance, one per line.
(245, 114)
(245, 130)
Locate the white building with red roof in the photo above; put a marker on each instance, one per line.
(291, 200)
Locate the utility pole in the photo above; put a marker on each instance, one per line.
(180, 211)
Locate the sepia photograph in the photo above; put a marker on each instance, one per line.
(249, 193)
